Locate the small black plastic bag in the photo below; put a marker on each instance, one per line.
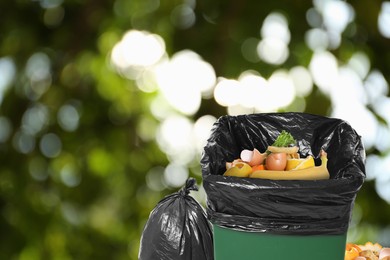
(281, 206)
(177, 228)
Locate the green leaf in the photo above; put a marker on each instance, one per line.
(284, 139)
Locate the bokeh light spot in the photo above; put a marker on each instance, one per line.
(283, 90)
(382, 107)
(337, 14)
(273, 51)
(383, 179)
(373, 166)
(69, 176)
(7, 75)
(23, 142)
(136, 51)
(160, 107)
(38, 70)
(53, 16)
(314, 18)
(250, 89)
(71, 213)
(227, 92)
(68, 117)
(146, 129)
(348, 87)
(155, 179)
(317, 39)
(51, 3)
(360, 118)
(382, 141)
(50, 145)
(324, 70)
(184, 79)
(360, 63)
(376, 86)
(100, 162)
(183, 16)
(384, 19)
(239, 110)
(175, 137)
(175, 175)
(202, 130)
(35, 119)
(275, 26)
(302, 80)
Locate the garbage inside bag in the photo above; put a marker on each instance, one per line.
(283, 206)
(177, 228)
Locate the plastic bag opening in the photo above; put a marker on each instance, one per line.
(292, 207)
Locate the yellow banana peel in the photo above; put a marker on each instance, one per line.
(240, 169)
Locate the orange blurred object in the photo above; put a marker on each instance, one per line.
(351, 251)
(259, 167)
(350, 245)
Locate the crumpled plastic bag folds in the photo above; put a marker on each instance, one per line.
(283, 207)
(177, 228)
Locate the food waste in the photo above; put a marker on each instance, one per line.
(281, 161)
(368, 251)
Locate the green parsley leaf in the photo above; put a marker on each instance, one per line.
(284, 139)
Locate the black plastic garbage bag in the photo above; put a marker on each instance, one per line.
(282, 206)
(177, 228)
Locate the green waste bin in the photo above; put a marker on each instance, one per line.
(277, 219)
(230, 244)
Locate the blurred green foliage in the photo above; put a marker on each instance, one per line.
(90, 200)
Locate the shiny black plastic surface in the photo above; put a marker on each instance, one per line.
(177, 228)
(283, 207)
